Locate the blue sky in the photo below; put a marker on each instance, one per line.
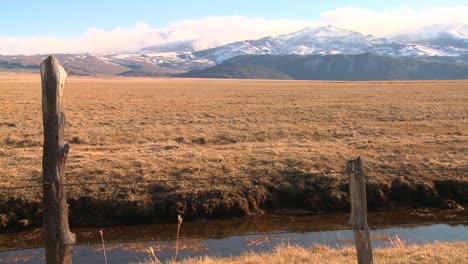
(104, 26)
(71, 17)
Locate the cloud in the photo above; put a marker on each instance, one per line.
(233, 28)
(223, 29)
(391, 21)
(94, 40)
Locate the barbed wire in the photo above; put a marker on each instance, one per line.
(231, 178)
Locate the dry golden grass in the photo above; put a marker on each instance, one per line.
(124, 129)
(453, 252)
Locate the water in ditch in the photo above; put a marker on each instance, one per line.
(231, 237)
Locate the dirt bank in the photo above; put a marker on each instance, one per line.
(158, 203)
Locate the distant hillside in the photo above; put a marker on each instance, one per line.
(367, 66)
(86, 64)
(234, 70)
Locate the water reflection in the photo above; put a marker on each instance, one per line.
(235, 236)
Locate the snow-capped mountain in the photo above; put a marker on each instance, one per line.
(451, 40)
(438, 40)
(458, 31)
(309, 41)
(192, 45)
(330, 40)
(177, 54)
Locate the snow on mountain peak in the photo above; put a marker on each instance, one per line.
(191, 45)
(440, 30)
(326, 31)
(448, 40)
(331, 28)
(460, 31)
(331, 31)
(206, 42)
(455, 30)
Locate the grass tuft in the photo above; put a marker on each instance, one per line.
(442, 253)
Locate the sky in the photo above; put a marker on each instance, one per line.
(50, 26)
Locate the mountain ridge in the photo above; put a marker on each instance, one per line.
(448, 43)
(344, 67)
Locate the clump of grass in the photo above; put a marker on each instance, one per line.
(180, 140)
(153, 258)
(8, 124)
(179, 223)
(199, 140)
(103, 246)
(11, 140)
(447, 252)
(76, 140)
(396, 241)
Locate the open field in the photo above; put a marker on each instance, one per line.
(278, 135)
(453, 252)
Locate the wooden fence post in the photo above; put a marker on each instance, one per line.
(357, 192)
(58, 238)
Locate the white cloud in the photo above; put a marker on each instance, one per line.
(223, 29)
(94, 40)
(232, 28)
(391, 21)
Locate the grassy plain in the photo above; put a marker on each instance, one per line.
(276, 134)
(449, 252)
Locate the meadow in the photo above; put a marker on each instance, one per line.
(449, 252)
(284, 139)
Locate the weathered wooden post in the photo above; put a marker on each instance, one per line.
(357, 192)
(58, 238)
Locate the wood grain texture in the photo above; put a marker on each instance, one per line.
(358, 220)
(55, 150)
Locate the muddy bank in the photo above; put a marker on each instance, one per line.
(161, 203)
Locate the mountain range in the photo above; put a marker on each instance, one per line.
(345, 67)
(331, 53)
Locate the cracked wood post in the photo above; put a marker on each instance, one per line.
(58, 238)
(357, 192)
